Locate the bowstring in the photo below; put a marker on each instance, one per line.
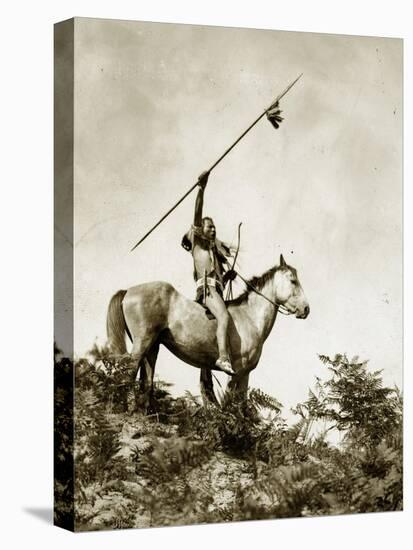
(229, 291)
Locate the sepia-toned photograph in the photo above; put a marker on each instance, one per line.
(228, 274)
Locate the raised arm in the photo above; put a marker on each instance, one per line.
(199, 203)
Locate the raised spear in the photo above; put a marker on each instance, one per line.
(273, 115)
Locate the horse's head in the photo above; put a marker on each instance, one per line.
(289, 292)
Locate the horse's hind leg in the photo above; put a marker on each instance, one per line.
(139, 388)
(139, 349)
(146, 371)
(207, 387)
(150, 362)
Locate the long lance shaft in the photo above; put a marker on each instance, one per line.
(273, 103)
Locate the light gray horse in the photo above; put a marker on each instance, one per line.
(155, 313)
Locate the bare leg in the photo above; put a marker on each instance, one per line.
(216, 305)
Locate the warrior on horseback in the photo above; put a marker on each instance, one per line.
(155, 313)
(210, 257)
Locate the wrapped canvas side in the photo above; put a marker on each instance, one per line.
(63, 275)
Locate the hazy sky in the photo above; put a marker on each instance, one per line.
(156, 104)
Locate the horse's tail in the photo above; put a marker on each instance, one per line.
(116, 325)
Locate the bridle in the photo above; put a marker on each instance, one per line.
(278, 305)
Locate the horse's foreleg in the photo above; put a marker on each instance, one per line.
(242, 386)
(238, 384)
(207, 387)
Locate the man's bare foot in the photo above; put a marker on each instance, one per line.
(224, 365)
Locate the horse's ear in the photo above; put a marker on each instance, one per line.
(283, 263)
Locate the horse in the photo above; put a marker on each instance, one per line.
(155, 313)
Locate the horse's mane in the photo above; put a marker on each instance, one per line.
(257, 282)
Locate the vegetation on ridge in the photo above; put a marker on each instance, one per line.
(188, 463)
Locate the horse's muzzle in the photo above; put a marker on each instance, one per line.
(304, 313)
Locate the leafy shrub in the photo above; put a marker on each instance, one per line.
(355, 400)
(234, 426)
(98, 467)
(194, 463)
(366, 474)
(167, 496)
(288, 491)
(163, 460)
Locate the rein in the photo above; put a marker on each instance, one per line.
(281, 308)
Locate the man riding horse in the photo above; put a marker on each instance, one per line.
(155, 313)
(210, 257)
